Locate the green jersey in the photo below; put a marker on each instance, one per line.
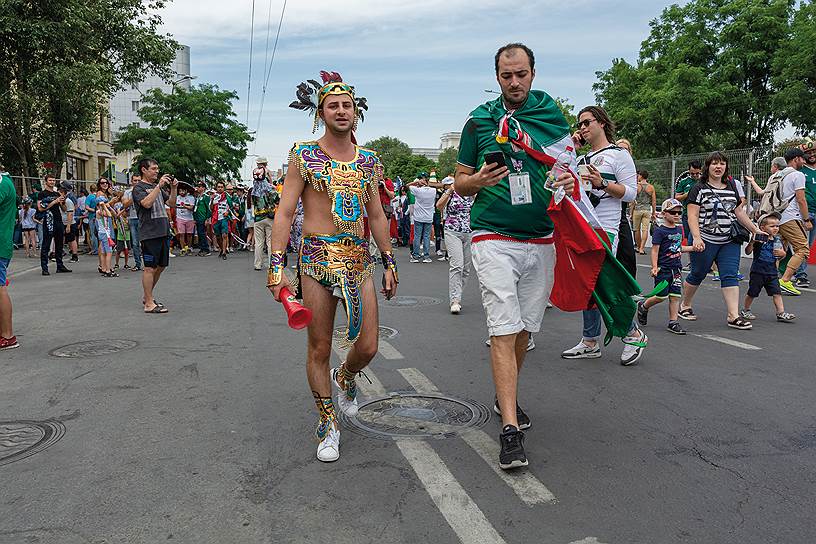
(683, 187)
(810, 188)
(8, 215)
(202, 211)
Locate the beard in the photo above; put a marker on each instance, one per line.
(339, 130)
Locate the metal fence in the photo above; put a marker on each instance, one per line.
(664, 171)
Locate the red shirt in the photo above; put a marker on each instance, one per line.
(384, 200)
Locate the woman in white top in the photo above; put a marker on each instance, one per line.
(29, 227)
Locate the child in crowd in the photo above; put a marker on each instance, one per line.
(763, 269)
(123, 244)
(667, 247)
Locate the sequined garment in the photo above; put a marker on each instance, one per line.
(342, 260)
(328, 416)
(348, 184)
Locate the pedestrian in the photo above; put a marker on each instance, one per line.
(122, 229)
(405, 217)
(107, 237)
(133, 221)
(185, 224)
(150, 196)
(796, 221)
(28, 227)
(67, 215)
(644, 210)
(201, 215)
(423, 213)
(715, 211)
(457, 241)
(265, 197)
(667, 246)
(767, 251)
(8, 218)
(336, 180)
(49, 204)
(221, 204)
(438, 219)
(809, 170)
(610, 173)
(249, 223)
(512, 242)
(240, 206)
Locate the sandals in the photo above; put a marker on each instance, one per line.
(157, 310)
(741, 324)
(110, 274)
(687, 314)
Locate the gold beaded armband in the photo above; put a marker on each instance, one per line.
(390, 263)
(275, 274)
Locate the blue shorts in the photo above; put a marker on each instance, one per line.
(221, 227)
(675, 282)
(4, 271)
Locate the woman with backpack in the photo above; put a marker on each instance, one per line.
(719, 226)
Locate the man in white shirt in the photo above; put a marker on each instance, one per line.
(185, 225)
(792, 228)
(423, 213)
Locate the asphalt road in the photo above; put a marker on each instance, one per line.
(199, 428)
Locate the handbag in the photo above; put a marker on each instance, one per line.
(736, 232)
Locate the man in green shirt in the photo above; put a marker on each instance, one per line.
(201, 215)
(685, 182)
(809, 170)
(8, 217)
(512, 248)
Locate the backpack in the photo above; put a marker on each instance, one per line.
(772, 201)
(259, 174)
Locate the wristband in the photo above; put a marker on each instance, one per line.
(275, 274)
(390, 263)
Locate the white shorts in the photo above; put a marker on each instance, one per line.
(516, 279)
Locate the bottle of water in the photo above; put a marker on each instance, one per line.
(563, 163)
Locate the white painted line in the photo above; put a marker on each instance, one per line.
(587, 540)
(728, 341)
(458, 509)
(528, 488)
(388, 351)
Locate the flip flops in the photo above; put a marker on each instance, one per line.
(157, 309)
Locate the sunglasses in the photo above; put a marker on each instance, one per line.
(673, 212)
(584, 123)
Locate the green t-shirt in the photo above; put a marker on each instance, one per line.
(810, 188)
(492, 210)
(8, 215)
(202, 211)
(683, 187)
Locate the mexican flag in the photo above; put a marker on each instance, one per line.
(587, 275)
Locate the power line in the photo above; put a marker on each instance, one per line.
(269, 71)
(268, 32)
(249, 78)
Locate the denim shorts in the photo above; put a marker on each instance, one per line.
(4, 271)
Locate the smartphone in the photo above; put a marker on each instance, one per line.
(761, 237)
(495, 157)
(584, 170)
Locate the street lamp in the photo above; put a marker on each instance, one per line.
(176, 82)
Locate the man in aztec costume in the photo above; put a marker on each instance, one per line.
(335, 179)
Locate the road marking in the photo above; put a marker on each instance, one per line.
(459, 510)
(528, 488)
(728, 341)
(21, 272)
(388, 351)
(587, 540)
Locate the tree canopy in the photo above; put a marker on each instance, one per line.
(60, 61)
(192, 134)
(397, 158)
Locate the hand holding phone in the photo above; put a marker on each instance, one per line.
(761, 237)
(495, 157)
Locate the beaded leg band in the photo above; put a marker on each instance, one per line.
(328, 416)
(346, 381)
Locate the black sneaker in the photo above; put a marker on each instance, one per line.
(801, 282)
(523, 419)
(74, 259)
(642, 314)
(63, 270)
(674, 327)
(46, 273)
(512, 448)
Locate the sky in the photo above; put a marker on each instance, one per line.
(422, 65)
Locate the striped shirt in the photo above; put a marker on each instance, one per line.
(716, 210)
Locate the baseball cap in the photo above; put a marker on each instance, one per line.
(793, 153)
(808, 147)
(670, 204)
(261, 160)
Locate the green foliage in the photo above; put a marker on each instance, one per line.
(795, 71)
(192, 134)
(703, 78)
(406, 167)
(784, 145)
(446, 165)
(60, 62)
(567, 109)
(389, 148)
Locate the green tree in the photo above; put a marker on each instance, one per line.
(702, 78)
(795, 71)
(192, 134)
(406, 167)
(568, 110)
(787, 143)
(60, 62)
(446, 165)
(389, 148)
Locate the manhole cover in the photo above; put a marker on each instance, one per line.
(21, 439)
(385, 332)
(416, 415)
(408, 301)
(93, 348)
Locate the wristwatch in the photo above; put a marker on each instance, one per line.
(604, 183)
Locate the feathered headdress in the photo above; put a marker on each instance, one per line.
(311, 94)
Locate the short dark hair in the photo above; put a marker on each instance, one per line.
(144, 164)
(601, 116)
(695, 164)
(516, 45)
(643, 173)
(718, 157)
(48, 176)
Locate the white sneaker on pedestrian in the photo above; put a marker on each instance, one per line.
(455, 308)
(582, 351)
(530, 343)
(328, 449)
(415, 260)
(427, 260)
(347, 405)
(439, 253)
(633, 348)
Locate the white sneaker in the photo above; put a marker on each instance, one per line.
(328, 449)
(633, 348)
(439, 252)
(456, 308)
(530, 343)
(346, 405)
(415, 260)
(427, 260)
(582, 351)
(172, 254)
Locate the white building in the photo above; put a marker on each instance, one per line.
(448, 139)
